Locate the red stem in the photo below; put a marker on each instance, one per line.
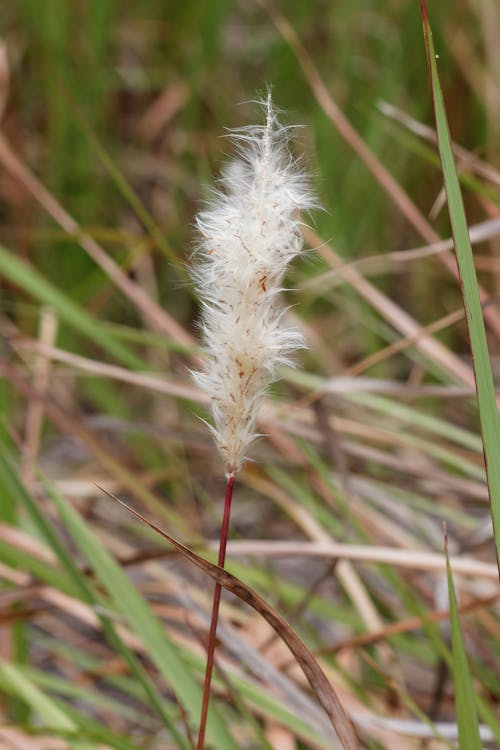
(215, 613)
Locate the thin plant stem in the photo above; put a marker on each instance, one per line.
(215, 613)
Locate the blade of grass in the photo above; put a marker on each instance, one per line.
(94, 731)
(18, 559)
(431, 348)
(62, 687)
(15, 683)
(465, 703)
(28, 278)
(62, 719)
(129, 194)
(490, 424)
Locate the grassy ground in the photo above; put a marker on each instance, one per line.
(112, 116)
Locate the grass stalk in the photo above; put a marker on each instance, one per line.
(215, 613)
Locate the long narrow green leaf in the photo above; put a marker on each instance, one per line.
(418, 418)
(86, 693)
(465, 703)
(488, 414)
(92, 730)
(131, 196)
(28, 278)
(133, 607)
(18, 559)
(60, 719)
(14, 682)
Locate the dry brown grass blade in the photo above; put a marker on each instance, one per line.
(411, 340)
(176, 389)
(315, 675)
(34, 410)
(397, 260)
(414, 559)
(162, 110)
(468, 159)
(393, 189)
(94, 443)
(395, 315)
(158, 318)
(403, 626)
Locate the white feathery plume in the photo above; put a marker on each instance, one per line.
(250, 231)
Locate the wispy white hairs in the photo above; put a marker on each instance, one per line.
(249, 232)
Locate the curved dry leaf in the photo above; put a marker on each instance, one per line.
(312, 670)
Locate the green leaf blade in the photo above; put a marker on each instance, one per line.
(465, 702)
(27, 277)
(488, 413)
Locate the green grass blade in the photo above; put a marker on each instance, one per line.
(72, 690)
(465, 702)
(132, 606)
(131, 197)
(488, 414)
(61, 720)
(13, 681)
(52, 716)
(32, 281)
(20, 560)
(96, 732)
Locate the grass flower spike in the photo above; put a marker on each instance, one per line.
(249, 234)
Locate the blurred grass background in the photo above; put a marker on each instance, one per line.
(118, 108)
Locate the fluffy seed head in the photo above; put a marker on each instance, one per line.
(248, 234)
